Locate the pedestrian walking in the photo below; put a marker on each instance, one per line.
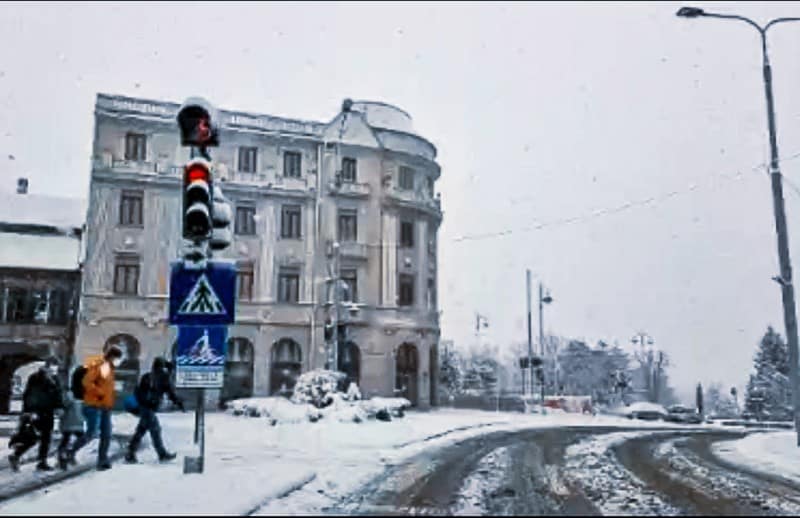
(71, 426)
(40, 400)
(98, 400)
(149, 393)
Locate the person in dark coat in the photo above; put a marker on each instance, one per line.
(149, 393)
(41, 398)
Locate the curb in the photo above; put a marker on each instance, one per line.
(286, 491)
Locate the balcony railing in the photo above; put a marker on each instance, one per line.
(356, 190)
(353, 250)
(416, 197)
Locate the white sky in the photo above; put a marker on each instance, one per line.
(541, 112)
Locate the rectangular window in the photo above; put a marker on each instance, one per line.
(432, 244)
(17, 305)
(247, 159)
(406, 178)
(406, 291)
(130, 208)
(349, 170)
(348, 225)
(58, 307)
(291, 164)
(126, 275)
(290, 222)
(244, 281)
(407, 234)
(431, 294)
(245, 221)
(350, 277)
(288, 285)
(136, 147)
(430, 187)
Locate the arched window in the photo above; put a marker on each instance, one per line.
(350, 363)
(406, 368)
(238, 380)
(128, 372)
(286, 366)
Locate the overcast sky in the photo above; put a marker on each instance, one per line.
(542, 113)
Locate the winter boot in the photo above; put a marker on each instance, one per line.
(43, 466)
(130, 457)
(13, 460)
(62, 461)
(102, 466)
(168, 456)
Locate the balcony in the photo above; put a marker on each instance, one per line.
(414, 197)
(349, 189)
(353, 250)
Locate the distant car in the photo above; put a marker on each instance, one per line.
(682, 414)
(646, 411)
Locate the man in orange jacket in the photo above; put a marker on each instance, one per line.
(98, 398)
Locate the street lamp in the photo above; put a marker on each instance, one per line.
(785, 279)
(543, 299)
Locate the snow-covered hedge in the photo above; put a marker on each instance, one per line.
(317, 387)
(278, 410)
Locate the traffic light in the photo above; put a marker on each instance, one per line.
(221, 220)
(328, 330)
(197, 201)
(196, 121)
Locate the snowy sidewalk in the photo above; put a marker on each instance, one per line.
(772, 453)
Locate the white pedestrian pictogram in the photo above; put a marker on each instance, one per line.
(202, 300)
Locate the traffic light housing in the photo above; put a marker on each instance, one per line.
(197, 200)
(221, 218)
(196, 119)
(328, 330)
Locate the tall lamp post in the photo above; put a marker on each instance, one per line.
(543, 299)
(785, 279)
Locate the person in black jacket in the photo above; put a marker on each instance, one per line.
(41, 398)
(149, 393)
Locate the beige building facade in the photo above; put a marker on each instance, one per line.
(365, 180)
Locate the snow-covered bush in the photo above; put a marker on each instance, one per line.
(277, 410)
(353, 393)
(377, 407)
(317, 387)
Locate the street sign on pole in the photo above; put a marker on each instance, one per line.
(200, 356)
(204, 296)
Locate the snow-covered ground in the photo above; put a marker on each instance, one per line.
(612, 488)
(774, 453)
(249, 462)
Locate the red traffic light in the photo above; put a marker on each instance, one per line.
(196, 171)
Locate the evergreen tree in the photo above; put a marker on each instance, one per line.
(768, 389)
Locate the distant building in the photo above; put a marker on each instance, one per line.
(40, 251)
(365, 179)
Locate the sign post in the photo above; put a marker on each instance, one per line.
(201, 304)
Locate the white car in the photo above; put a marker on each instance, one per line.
(646, 411)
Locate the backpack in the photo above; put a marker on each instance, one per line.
(76, 383)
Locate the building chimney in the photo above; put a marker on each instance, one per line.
(22, 186)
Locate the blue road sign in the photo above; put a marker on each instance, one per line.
(202, 297)
(200, 356)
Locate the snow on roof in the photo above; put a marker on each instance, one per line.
(39, 209)
(39, 252)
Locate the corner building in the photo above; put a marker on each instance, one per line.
(365, 180)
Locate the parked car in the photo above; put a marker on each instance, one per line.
(682, 414)
(645, 411)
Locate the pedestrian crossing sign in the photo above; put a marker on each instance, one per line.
(202, 296)
(200, 356)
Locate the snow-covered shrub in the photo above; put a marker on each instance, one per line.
(317, 387)
(353, 393)
(392, 406)
(277, 410)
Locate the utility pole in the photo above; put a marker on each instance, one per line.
(530, 338)
(541, 336)
(785, 279)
